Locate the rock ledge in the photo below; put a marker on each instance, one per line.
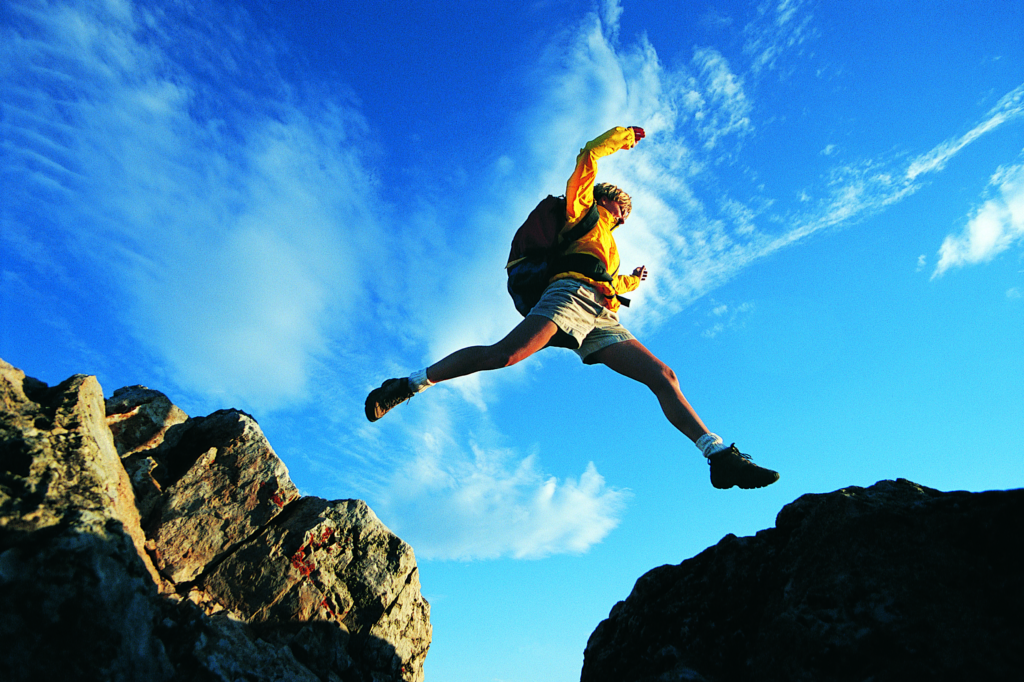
(139, 544)
(892, 582)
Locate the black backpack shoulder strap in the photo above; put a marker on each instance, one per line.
(583, 226)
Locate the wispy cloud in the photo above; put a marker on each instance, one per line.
(484, 503)
(993, 227)
(1009, 107)
(693, 242)
(141, 135)
(728, 111)
(723, 316)
(780, 27)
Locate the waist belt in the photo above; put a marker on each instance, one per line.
(588, 266)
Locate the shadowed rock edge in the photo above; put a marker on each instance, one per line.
(119, 522)
(891, 582)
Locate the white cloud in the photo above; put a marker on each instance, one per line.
(1009, 107)
(215, 213)
(721, 108)
(993, 227)
(780, 26)
(856, 191)
(725, 317)
(486, 503)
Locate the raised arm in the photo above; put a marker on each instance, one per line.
(579, 191)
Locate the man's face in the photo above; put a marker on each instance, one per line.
(612, 207)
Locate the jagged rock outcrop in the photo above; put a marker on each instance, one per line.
(139, 544)
(891, 582)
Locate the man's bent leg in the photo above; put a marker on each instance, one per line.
(632, 359)
(729, 466)
(528, 337)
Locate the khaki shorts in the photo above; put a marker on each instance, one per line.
(577, 309)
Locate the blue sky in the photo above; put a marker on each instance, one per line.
(277, 205)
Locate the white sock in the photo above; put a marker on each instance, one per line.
(710, 443)
(419, 382)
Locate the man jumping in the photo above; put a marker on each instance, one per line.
(578, 310)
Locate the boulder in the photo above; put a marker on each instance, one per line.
(137, 543)
(330, 562)
(891, 582)
(139, 418)
(221, 483)
(77, 592)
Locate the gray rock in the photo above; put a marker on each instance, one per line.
(332, 562)
(59, 461)
(255, 583)
(222, 483)
(77, 593)
(892, 582)
(139, 418)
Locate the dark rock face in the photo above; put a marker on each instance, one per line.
(139, 544)
(891, 582)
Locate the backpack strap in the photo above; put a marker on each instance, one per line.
(584, 263)
(582, 227)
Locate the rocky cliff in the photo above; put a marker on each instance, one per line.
(139, 544)
(891, 582)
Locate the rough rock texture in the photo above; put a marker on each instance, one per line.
(891, 582)
(139, 544)
(221, 483)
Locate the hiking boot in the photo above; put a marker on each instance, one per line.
(391, 393)
(731, 467)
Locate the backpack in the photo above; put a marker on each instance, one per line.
(536, 244)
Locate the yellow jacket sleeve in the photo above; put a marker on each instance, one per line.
(626, 283)
(579, 191)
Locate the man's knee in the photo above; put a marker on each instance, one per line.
(533, 334)
(665, 380)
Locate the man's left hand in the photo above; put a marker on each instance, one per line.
(640, 272)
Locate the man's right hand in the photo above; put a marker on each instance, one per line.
(638, 133)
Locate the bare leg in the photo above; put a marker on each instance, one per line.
(632, 359)
(531, 335)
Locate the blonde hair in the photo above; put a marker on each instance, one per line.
(606, 189)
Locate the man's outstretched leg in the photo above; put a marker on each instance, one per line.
(729, 466)
(529, 336)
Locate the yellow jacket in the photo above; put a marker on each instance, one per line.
(579, 197)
